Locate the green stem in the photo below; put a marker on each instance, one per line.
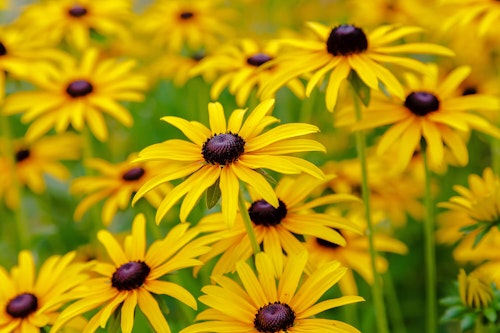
(393, 303)
(495, 155)
(377, 291)
(248, 223)
(430, 251)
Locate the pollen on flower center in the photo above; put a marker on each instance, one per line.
(274, 317)
(345, 40)
(263, 213)
(3, 50)
(79, 88)
(77, 11)
(223, 148)
(133, 174)
(421, 103)
(130, 276)
(186, 15)
(22, 305)
(258, 59)
(22, 154)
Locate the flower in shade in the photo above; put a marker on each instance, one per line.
(345, 48)
(133, 276)
(263, 303)
(241, 67)
(179, 24)
(432, 111)
(226, 153)
(78, 94)
(355, 254)
(30, 302)
(115, 184)
(277, 229)
(74, 21)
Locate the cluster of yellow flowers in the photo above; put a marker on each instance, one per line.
(350, 121)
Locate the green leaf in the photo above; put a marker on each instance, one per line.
(453, 313)
(468, 321)
(360, 87)
(450, 300)
(469, 228)
(213, 195)
(480, 236)
(490, 314)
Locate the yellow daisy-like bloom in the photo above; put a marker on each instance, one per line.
(263, 304)
(276, 228)
(115, 184)
(226, 153)
(355, 255)
(347, 48)
(74, 21)
(473, 14)
(177, 24)
(30, 302)
(475, 289)
(134, 275)
(433, 111)
(78, 93)
(241, 67)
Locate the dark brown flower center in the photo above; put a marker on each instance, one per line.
(22, 154)
(79, 88)
(263, 213)
(130, 276)
(421, 103)
(223, 148)
(186, 15)
(346, 39)
(325, 243)
(133, 174)
(3, 50)
(274, 317)
(77, 11)
(22, 305)
(469, 91)
(258, 59)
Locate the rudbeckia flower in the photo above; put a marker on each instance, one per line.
(262, 303)
(277, 229)
(429, 110)
(475, 289)
(30, 302)
(226, 153)
(77, 94)
(347, 48)
(241, 67)
(115, 184)
(133, 276)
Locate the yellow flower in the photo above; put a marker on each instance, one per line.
(473, 14)
(74, 21)
(115, 184)
(263, 304)
(277, 228)
(429, 110)
(475, 289)
(226, 153)
(133, 276)
(241, 67)
(177, 24)
(30, 303)
(347, 48)
(78, 93)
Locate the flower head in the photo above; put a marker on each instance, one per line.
(264, 304)
(347, 48)
(31, 302)
(77, 94)
(226, 153)
(134, 275)
(475, 290)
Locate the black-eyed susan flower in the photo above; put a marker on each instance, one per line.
(74, 21)
(475, 289)
(277, 229)
(134, 275)
(355, 254)
(180, 24)
(78, 93)
(30, 302)
(432, 111)
(334, 53)
(226, 153)
(263, 303)
(115, 184)
(240, 66)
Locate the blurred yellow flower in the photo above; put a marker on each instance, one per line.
(475, 289)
